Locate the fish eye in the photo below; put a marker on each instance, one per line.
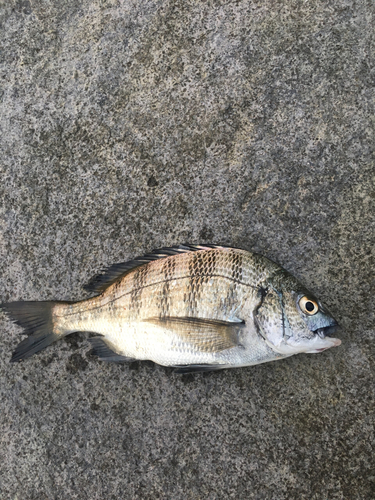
(308, 306)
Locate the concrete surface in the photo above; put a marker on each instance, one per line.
(128, 125)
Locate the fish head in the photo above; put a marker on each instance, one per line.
(291, 320)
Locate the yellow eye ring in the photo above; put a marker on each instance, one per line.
(308, 306)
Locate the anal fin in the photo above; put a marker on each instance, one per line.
(104, 349)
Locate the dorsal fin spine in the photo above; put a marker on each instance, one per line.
(115, 272)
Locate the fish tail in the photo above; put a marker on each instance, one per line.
(37, 320)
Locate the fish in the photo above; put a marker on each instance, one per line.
(195, 308)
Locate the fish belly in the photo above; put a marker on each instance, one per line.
(140, 341)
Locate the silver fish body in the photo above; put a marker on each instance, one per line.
(194, 308)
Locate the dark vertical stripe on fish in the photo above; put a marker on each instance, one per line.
(190, 296)
(201, 267)
(139, 280)
(168, 270)
(282, 313)
(236, 265)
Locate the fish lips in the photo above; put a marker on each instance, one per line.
(325, 333)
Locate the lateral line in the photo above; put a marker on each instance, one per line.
(93, 308)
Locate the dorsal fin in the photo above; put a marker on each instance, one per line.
(117, 271)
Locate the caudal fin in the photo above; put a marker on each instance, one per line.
(36, 319)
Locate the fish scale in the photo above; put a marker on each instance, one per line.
(202, 307)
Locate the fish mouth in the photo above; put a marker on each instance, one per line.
(325, 333)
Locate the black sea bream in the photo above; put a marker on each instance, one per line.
(195, 308)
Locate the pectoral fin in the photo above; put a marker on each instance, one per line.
(204, 334)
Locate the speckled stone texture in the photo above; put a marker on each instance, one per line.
(133, 124)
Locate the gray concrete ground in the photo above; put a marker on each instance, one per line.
(127, 125)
